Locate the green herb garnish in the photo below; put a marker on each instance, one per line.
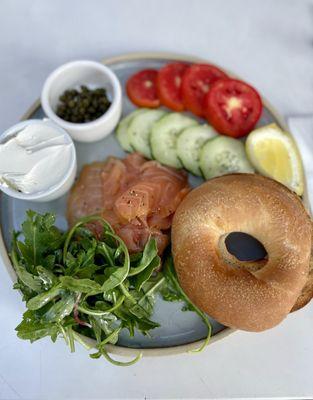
(76, 286)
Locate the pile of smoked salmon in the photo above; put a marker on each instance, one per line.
(137, 197)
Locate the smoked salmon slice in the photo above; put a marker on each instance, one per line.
(137, 197)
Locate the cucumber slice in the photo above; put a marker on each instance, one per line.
(121, 131)
(164, 136)
(139, 129)
(189, 143)
(223, 155)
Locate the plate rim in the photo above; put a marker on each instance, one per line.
(175, 349)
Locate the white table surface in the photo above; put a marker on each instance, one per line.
(270, 44)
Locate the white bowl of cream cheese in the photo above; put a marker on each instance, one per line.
(91, 74)
(37, 161)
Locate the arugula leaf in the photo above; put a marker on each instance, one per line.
(49, 262)
(33, 332)
(145, 303)
(106, 324)
(48, 279)
(132, 322)
(88, 272)
(169, 292)
(72, 262)
(139, 279)
(116, 276)
(88, 259)
(31, 281)
(43, 298)
(145, 324)
(149, 253)
(27, 293)
(40, 236)
(26, 252)
(111, 338)
(107, 252)
(82, 260)
(60, 309)
(32, 329)
(83, 221)
(80, 285)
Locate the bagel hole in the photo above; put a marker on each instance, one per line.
(245, 247)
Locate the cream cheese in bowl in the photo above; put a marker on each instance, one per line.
(37, 161)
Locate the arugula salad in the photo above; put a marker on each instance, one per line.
(81, 287)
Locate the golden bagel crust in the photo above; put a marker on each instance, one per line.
(249, 296)
(307, 291)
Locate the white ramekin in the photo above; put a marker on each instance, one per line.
(92, 74)
(54, 191)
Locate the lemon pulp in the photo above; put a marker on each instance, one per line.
(273, 153)
(274, 158)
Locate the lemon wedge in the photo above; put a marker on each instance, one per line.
(274, 153)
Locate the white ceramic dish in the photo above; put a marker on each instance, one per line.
(61, 187)
(91, 74)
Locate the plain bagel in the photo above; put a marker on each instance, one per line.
(252, 296)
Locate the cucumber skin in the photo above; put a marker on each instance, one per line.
(162, 114)
(187, 119)
(195, 170)
(151, 150)
(200, 167)
(247, 168)
(153, 157)
(127, 120)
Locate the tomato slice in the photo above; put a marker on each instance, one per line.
(232, 107)
(169, 85)
(196, 83)
(141, 88)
